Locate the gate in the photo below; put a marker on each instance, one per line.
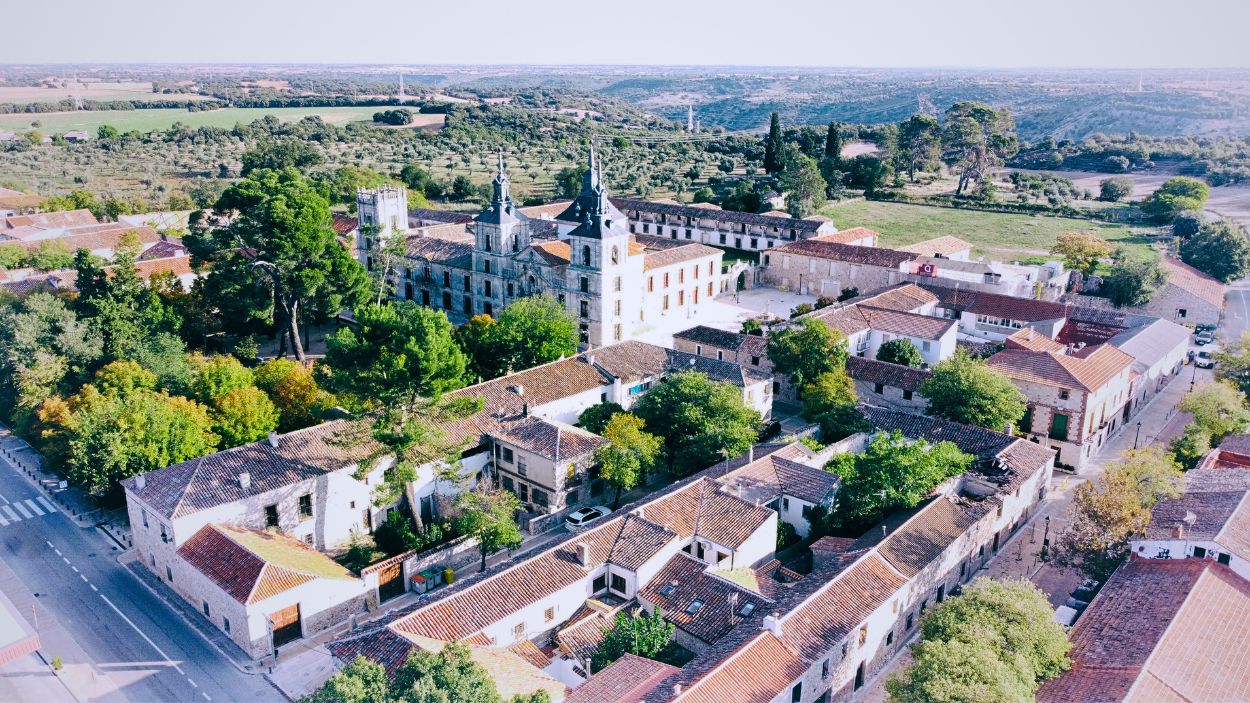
(286, 625)
(391, 581)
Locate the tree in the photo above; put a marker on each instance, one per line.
(644, 635)
(975, 139)
(290, 385)
(397, 117)
(1108, 513)
(702, 421)
(106, 131)
(1174, 196)
(805, 186)
(774, 147)
(1232, 363)
(361, 681)
(965, 389)
(830, 400)
(215, 376)
(833, 143)
(1134, 281)
(45, 350)
(489, 517)
(447, 676)
(569, 180)
(279, 255)
(1187, 223)
(807, 349)
(1190, 446)
(892, 473)
(50, 255)
(1081, 251)
(596, 417)
(280, 154)
(919, 144)
(1115, 189)
(118, 302)
(478, 339)
(243, 415)
(1220, 249)
(532, 331)
(629, 454)
(1219, 408)
(996, 641)
(900, 351)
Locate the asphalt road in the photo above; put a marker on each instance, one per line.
(137, 648)
(1236, 311)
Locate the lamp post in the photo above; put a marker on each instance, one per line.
(1138, 435)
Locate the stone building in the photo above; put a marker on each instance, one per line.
(711, 225)
(824, 267)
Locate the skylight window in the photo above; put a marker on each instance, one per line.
(695, 605)
(746, 609)
(667, 589)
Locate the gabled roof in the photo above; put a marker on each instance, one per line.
(858, 317)
(768, 478)
(344, 224)
(907, 297)
(555, 252)
(724, 339)
(703, 508)
(868, 256)
(49, 220)
(1030, 339)
(1202, 515)
(426, 215)
(755, 673)
(922, 536)
(1193, 281)
(1160, 630)
(938, 246)
(625, 680)
(684, 580)
(996, 304)
(849, 236)
(659, 253)
(441, 251)
(1152, 342)
(887, 374)
(251, 565)
(732, 216)
(1096, 366)
(550, 439)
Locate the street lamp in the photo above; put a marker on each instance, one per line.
(1138, 435)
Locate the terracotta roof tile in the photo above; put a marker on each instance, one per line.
(683, 580)
(848, 236)
(344, 224)
(425, 214)
(1030, 339)
(1190, 279)
(49, 220)
(885, 373)
(1094, 368)
(938, 246)
(552, 440)
(625, 680)
(756, 673)
(828, 617)
(996, 304)
(922, 537)
(784, 224)
(869, 256)
(768, 478)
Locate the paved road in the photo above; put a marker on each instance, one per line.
(120, 642)
(1236, 311)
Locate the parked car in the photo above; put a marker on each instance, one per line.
(584, 516)
(1204, 337)
(1206, 358)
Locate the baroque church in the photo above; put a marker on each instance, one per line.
(617, 284)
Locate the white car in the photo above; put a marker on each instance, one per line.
(585, 516)
(1205, 358)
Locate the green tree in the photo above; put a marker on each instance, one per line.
(1081, 251)
(833, 143)
(965, 389)
(596, 417)
(279, 255)
(294, 392)
(45, 350)
(1133, 281)
(807, 349)
(643, 635)
(830, 400)
(892, 473)
(702, 421)
(50, 255)
(919, 144)
(447, 676)
(569, 180)
(126, 310)
(1108, 513)
(774, 147)
(805, 186)
(1220, 249)
(629, 454)
(534, 330)
(975, 139)
(1115, 189)
(280, 154)
(13, 256)
(361, 681)
(1190, 446)
(1219, 408)
(243, 415)
(106, 131)
(1187, 223)
(478, 338)
(488, 516)
(900, 351)
(215, 376)
(1174, 196)
(996, 641)
(1232, 363)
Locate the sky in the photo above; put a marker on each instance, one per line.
(836, 33)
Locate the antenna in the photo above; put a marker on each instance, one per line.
(690, 118)
(401, 87)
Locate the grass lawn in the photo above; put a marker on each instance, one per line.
(992, 234)
(148, 120)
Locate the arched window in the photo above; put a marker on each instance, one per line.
(585, 256)
(616, 255)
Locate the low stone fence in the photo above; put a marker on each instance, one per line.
(457, 554)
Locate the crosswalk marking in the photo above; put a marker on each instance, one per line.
(28, 508)
(31, 504)
(9, 511)
(44, 502)
(3, 521)
(22, 509)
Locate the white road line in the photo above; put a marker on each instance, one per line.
(6, 500)
(3, 521)
(205, 696)
(25, 513)
(75, 568)
(58, 552)
(84, 578)
(143, 635)
(9, 511)
(33, 506)
(44, 502)
(49, 545)
(65, 560)
(93, 587)
(192, 682)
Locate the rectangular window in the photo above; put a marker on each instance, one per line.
(618, 583)
(271, 516)
(1058, 426)
(169, 575)
(907, 395)
(145, 519)
(755, 361)
(507, 455)
(549, 614)
(600, 583)
(889, 638)
(681, 275)
(583, 284)
(824, 669)
(616, 332)
(616, 284)
(665, 303)
(305, 505)
(878, 388)
(796, 693)
(518, 630)
(225, 624)
(468, 284)
(666, 280)
(206, 609)
(585, 308)
(521, 468)
(486, 288)
(447, 279)
(650, 284)
(681, 297)
(468, 305)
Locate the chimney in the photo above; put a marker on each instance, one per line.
(1009, 429)
(1178, 531)
(273, 439)
(772, 623)
(676, 689)
(141, 481)
(245, 480)
(525, 409)
(583, 555)
(885, 531)
(751, 454)
(733, 606)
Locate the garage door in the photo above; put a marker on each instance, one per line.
(286, 625)
(391, 581)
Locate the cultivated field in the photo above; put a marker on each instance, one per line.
(1002, 236)
(89, 90)
(148, 120)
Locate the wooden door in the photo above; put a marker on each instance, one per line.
(391, 582)
(286, 625)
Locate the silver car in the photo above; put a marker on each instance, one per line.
(584, 516)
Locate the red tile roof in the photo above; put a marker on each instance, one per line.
(849, 236)
(1191, 280)
(869, 256)
(996, 304)
(1094, 368)
(756, 673)
(682, 581)
(938, 246)
(625, 680)
(49, 220)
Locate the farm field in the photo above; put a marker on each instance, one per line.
(148, 120)
(993, 234)
(90, 90)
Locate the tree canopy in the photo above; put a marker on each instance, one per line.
(489, 516)
(900, 351)
(1134, 280)
(1081, 251)
(1220, 249)
(702, 421)
(1174, 196)
(807, 349)
(531, 331)
(643, 635)
(965, 389)
(975, 139)
(629, 454)
(919, 144)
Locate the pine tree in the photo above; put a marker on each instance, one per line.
(773, 147)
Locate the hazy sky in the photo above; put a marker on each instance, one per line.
(976, 33)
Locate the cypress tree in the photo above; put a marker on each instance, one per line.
(833, 142)
(773, 146)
